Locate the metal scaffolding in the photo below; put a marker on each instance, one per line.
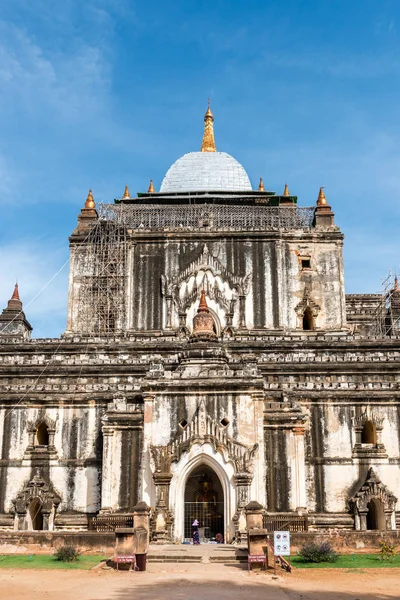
(103, 260)
(198, 216)
(387, 314)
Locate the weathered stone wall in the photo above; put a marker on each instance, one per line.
(325, 382)
(259, 278)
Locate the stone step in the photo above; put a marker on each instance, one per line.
(176, 558)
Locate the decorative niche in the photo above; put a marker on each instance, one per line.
(368, 434)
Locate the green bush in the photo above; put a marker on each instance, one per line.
(318, 553)
(387, 551)
(67, 554)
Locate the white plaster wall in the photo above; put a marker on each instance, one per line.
(339, 440)
(339, 479)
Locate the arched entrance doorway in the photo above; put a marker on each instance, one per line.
(376, 515)
(204, 502)
(35, 513)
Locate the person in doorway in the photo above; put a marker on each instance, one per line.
(196, 537)
(220, 538)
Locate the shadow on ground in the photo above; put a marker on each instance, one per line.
(183, 589)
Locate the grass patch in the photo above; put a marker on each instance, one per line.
(45, 561)
(349, 561)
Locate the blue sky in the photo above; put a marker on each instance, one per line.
(106, 92)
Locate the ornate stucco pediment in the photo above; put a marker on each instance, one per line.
(201, 430)
(205, 273)
(373, 488)
(360, 420)
(307, 302)
(38, 489)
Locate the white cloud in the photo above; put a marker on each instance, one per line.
(72, 82)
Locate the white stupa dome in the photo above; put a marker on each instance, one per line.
(206, 171)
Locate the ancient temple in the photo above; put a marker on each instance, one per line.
(211, 357)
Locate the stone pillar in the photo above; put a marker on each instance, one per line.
(106, 474)
(46, 519)
(254, 515)
(20, 522)
(242, 312)
(243, 482)
(363, 520)
(141, 527)
(162, 519)
(299, 476)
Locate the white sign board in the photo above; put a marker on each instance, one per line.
(282, 543)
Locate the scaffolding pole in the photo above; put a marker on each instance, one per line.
(387, 317)
(103, 293)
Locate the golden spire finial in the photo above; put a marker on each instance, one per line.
(90, 201)
(126, 195)
(151, 187)
(321, 198)
(261, 186)
(208, 144)
(286, 190)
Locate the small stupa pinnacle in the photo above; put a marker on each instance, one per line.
(15, 295)
(151, 187)
(286, 190)
(321, 198)
(261, 186)
(203, 323)
(90, 201)
(126, 195)
(208, 144)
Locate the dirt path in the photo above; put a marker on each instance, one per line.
(199, 582)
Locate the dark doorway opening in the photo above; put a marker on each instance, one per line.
(368, 434)
(204, 502)
(308, 321)
(42, 435)
(376, 515)
(35, 512)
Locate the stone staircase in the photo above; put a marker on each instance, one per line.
(205, 553)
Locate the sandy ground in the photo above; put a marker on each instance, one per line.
(199, 582)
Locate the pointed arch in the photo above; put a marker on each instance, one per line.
(201, 455)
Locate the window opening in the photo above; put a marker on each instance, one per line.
(42, 435)
(225, 422)
(308, 321)
(368, 433)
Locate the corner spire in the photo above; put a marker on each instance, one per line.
(261, 186)
(286, 190)
(90, 200)
(208, 144)
(321, 198)
(151, 187)
(15, 295)
(126, 195)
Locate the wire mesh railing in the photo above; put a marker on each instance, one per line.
(197, 216)
(107, 523)
(285, 523)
